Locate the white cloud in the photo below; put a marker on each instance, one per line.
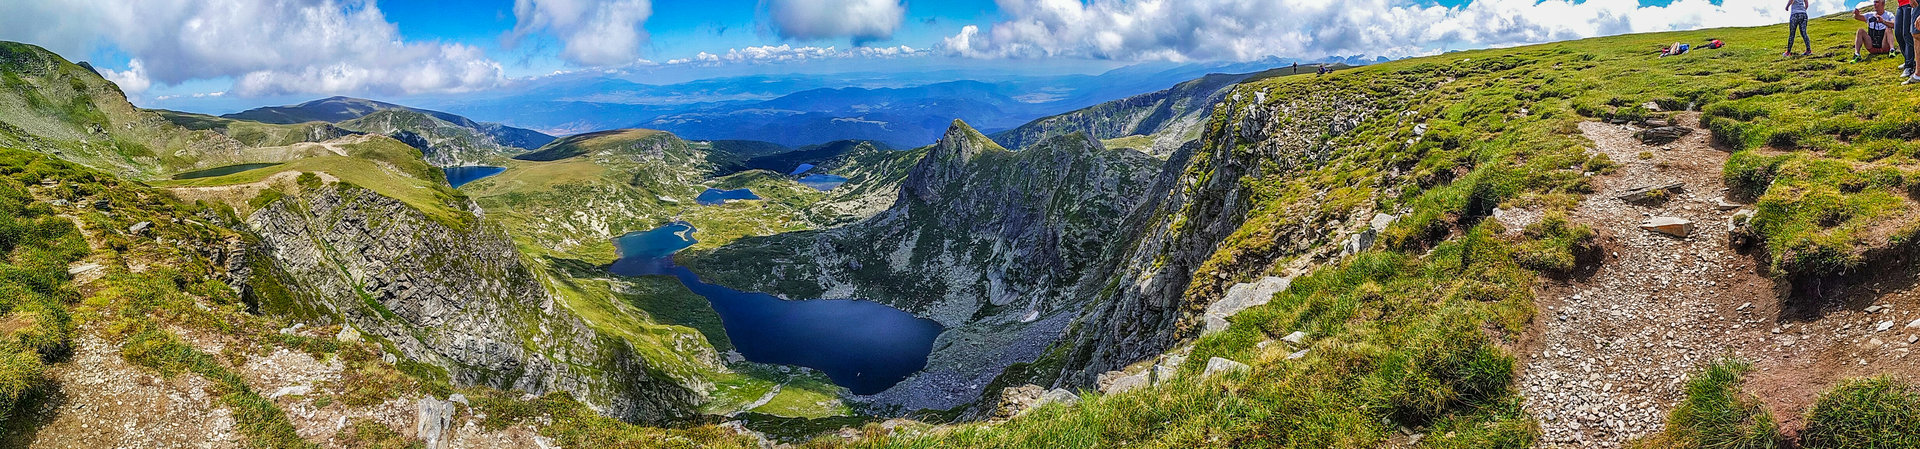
(862, 20)
(594, 32)
(268, 46)
(768, 54)
(133, 80)
(1181, 30)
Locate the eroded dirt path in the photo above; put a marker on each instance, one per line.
(1613, 349)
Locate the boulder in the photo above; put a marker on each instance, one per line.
(1116, 382)
(139, 227)
(1674, 226)
(1218, 365)
(1297, 337)
(433, 420)
(1297, 355)
(1241, 297)
(1059, 395)
(1380, 221)
(1017, 400)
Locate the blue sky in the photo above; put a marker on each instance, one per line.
(261, 51)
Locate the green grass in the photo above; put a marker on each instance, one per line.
(1876, 413)
(385, 166)
(1717, 414)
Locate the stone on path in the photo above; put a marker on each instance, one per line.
(1662, 135)
(1674, 226)
(1883, 326)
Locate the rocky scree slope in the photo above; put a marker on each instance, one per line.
(990, 243)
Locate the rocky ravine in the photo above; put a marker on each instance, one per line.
(461, 299)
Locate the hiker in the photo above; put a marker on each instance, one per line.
(1675, 50)
(1875, 37)
(1903, 34)
(1798, 22)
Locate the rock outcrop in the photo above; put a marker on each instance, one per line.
(457, 296)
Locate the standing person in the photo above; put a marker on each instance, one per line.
(1874, 38)
(1797, 22)
(1903, 33)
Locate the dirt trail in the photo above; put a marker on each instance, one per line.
(1611, 350)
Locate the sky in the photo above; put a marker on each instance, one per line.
(161, 51)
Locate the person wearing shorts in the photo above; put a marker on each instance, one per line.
(1874, 38)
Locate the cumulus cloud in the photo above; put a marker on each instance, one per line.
(862, 20)
(133, 80)
(594, 32)
(1180, 30)
(768, 54)
(268, 46)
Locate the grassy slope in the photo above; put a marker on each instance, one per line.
(1412, 331)
(51, 105)
(383, 165)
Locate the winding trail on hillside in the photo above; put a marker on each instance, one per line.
(1614, 346)
(1610, 350)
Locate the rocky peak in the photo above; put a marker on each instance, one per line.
(946, 162)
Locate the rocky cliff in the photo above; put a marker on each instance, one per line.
(460, 298)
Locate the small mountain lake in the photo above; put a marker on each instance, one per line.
(715, 197)
(801, 169)
(823, 182)
(864, 346)
(460, 176)
(222, 171)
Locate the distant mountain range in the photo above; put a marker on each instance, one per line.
(340, 109)
(904, 111)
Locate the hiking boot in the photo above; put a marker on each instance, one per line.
(1906, 72)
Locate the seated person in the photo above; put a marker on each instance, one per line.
(1875, 37)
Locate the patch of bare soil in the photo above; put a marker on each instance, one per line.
(1614, 348)
(101, 401)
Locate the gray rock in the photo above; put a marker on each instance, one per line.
(1241, 297)
(1297, 337)
(139, 227)
(1381, 221)
(1674, 226)
(1875, 308)
(1297, 355)
(1216, 366)
(1662, 135)
(1721, 203)
(347, 335)
(1914, 325)
(432, 422)
(1883, 326)
(458, 398)
(1059, 395)
(1116, 382)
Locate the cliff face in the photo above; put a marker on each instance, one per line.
(1175, 266)
(997, 246)
(461, 299)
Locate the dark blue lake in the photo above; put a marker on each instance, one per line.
(863, 345)
(221, 171)
(460, 176)
(801, 169)
(823, 182)
(715, 197)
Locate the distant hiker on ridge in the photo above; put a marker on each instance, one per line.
(1798, 22)
(1874, 37)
